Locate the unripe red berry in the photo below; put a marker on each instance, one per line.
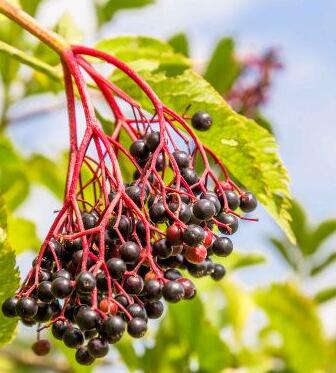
(196, 254)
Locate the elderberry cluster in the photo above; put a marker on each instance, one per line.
(93, 288)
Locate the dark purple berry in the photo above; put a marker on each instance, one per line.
(85, 283)
(83, 357)
(26, 308)
(9, 307)
(222, 246)
(157, 212)
(152, 140)
(230, 220)
(193, 235)
(133, 284)
(44, 291)
(232, 199)
(248, 202)
(154, 309)
(182, 159)
(152, 289)
(204, 209)
(89, 220)
(73, 338)
(140, 151)
(112, 328)
(86, 318)
(190, 176)
(136, 310)
(201, 121)
(61, 287)
(218, 273)
(58, 329)
(116, 267)
(130, 252)
(162, 248)
(173, 291)
(98, 347)
(137, 327)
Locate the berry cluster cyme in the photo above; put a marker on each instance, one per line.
(121, 246)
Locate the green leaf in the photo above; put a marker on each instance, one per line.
(223, 69)
(13, 179)
(286, 250)
(318, 268)
(238, 260)
(264, 122)
(9, 278)
(248, 151)
(239, 305)
(48, 173)
(325, 295)
(295, 318)
(22, 234)
(30, 6)
(321, 234)
(180, 43)
(107, 9)
(148, 52)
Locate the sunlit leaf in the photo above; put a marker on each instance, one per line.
(180, 43)
(325, 295)
(22, 234)
(9, 278)
(295, 318)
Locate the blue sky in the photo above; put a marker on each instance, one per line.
(302, 106)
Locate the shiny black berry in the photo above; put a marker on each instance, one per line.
(121, 299)
(210, 196)
(182, 159)
(157, 212)
(133, 284)
(9, 307)
(44, 291)
(230, 220)
(44, 312)
(218, 273)
(85, 282)
(173, 291)
(73, 338)
(154, 309)
(58, 329)
(137, 327)
(172, 274)
(26, 308)
(248, 202)
(61, 273)
(61, 287)
(162, 248)
(204, 209)
(135, 310)
(112, 328)
(116, 267)
(193, 235)
(140, 151)
(134, 192)
(232, 199)
(184, 211)
(89, 220)
(222, 246)
(124, 226)
(98, 347)
(130, 252)
(152, 140)
(83, 357)
(201, 121)
(152, 289)
(86, 318)
(190, 176)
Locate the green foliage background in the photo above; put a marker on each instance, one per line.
(207, 334)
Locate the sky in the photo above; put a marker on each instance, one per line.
(302, 108)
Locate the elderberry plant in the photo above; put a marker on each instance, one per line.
(116, 250)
